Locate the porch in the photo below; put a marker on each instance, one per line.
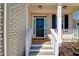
(62, 31)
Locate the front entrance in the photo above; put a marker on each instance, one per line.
(39, 26)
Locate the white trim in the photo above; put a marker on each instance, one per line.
(59, 21)
(44, 26)
(35, 26)
(5, 30)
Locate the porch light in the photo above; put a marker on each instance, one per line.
(64, 7)
(40, 6)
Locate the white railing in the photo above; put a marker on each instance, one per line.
(55, 44)
(74, 33)
(28, 41)
(66, 31)
(70, 35)
(66, 34)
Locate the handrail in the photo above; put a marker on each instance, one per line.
(28, 41)
(54, 34)
(55, 42)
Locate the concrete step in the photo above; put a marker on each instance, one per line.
(41, 50)
(33, 53)
(40, 46)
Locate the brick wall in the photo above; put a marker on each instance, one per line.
(1, 29)
(15, 29)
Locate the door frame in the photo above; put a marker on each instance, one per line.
(34, 18)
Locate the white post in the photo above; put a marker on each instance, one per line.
(27, 16)
(26, 40)
(59, 20)
(56, 48)
(5, 31)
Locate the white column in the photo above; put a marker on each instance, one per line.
(29, 33)
(5, 31)
(59, 22)
(56, 48)
(27, 16)
(26, 43)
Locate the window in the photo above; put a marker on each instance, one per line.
(65, 22)
(54, 22)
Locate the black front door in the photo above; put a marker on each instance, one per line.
(39, 27)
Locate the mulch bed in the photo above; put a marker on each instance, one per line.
(69, 49)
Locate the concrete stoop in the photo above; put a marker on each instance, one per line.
(41, 49)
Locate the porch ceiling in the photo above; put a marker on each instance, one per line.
(70, 9)
(51, 8)
(47, 8)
